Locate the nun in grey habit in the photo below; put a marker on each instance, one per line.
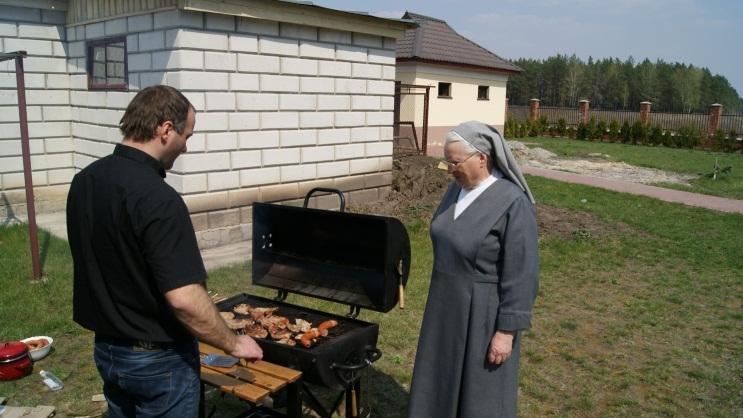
(483, 284)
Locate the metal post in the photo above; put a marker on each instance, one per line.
(425, 120)
(26, 152)
(396, 121)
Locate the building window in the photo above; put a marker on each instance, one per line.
(483, 92)
(445, 90)
(107, 64)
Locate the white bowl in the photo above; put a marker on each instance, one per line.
(40, 352)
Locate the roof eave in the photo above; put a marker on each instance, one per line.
(508, 71)
(303, 14)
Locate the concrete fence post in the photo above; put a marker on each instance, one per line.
(645, 112)
(715, 111)
(583, 109)
(534, 109)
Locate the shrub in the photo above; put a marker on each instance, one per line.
(656, 136)
(542, 125)
(582, 131)
(591, 129)
(638, 133)
(601, 129)
(508, 128)
(614, 130)
(688, 137)
(562, 127)
(728, 143)
(626, 134)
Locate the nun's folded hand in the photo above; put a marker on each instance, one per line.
(500, 346)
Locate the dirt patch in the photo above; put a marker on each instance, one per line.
(597, 165)
(417, 188)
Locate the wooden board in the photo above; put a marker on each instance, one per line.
(281, 372)
(243, 390)
(28, 412)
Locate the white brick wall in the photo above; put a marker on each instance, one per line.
(279, 83)
(196, 162)
(365, 103)
(278, 46)
(260, 176)
(291, 173)
(257, 63)
(298, 66)
(221, 141)
(281, 156)
(297, 102)
(257, 101)
(334, 169)
(187, 38)
(334, 102)
(220, 101)
(297, 138)
(334, 136)
(316, 120)
(256, 140)
(317, 85)
(276, 102)
(246, 159)
(314, 154)
(243, 82)
(316, 50)
(42, 34)
(223, 180)
(243, 42)
(220, 61)
(335, 68)
(279, 120)
(244, 121)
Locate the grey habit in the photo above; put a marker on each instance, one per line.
(485, 278)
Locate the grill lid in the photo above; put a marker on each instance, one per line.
(356, 259)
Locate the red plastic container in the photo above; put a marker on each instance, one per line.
(15, 362)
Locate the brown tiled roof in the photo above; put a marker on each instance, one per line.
(436, 42)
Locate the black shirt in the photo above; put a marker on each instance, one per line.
(132, 241)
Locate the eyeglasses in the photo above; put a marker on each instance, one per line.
(454, 165)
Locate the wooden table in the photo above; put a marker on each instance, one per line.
(252, 382)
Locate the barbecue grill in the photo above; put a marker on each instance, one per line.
(355, 259)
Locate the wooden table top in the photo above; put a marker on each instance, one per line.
(249, 381)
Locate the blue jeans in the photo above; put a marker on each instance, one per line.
(153, 382)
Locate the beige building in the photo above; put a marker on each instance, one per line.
(466, 80)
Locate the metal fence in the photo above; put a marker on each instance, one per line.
(667, 121)
(674, 121)
(732, 123)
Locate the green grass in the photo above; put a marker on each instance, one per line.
(640, 319)
(688, 161)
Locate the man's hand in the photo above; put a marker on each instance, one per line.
(196, 311)
(500, 346)
(247, 348)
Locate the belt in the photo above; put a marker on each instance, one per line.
(137, 345)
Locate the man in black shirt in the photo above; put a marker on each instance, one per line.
(139, 277)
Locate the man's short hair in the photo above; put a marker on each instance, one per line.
(150, 108)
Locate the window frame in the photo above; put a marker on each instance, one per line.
(89, 61)
(438, 90)
(487, 93)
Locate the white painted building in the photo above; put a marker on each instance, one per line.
(467, 82)
(289, 96)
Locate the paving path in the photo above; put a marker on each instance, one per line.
(669, 195)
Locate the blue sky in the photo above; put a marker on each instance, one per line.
(706, 33)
